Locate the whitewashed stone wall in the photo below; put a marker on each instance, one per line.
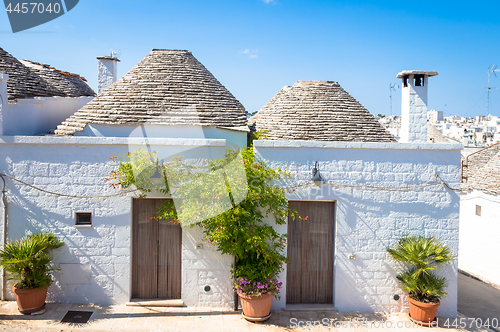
(95, 262)
(236, 137)
(205, 267)
(370, 221)
(479, 235)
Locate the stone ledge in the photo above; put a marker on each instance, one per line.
(355, 145)
(155, 303)
(82, 140)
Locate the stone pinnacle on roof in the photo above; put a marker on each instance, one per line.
(167, 87)
(317, 110)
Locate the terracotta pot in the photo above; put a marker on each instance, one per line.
(30, 300)
(423, 312)
(256, 308)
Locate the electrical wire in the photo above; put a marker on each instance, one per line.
(437, 181)
(65, 195)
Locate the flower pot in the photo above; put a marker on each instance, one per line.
(30, 300)
(423, 312)
(256, 308)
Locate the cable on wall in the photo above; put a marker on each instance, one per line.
(437, 181)
(65, 195)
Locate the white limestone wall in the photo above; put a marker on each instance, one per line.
(205, 267)
(95, 262)
(370, 221)
(414, 112)
(478, 235)
(39, 116)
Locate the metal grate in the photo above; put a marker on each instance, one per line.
(84, 219)
(77, 317)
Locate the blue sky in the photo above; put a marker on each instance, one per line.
(256, 47)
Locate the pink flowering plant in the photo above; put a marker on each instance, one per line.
(255, 287)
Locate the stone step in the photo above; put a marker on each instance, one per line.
(155, 303)
(310, 307)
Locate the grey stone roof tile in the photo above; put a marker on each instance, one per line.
(320, 111)
(483, 171)
(168, 87)
(28, 79)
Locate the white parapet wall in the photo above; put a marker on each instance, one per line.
(96, 262)
(40, 115)
(479, 231)
(368, 220)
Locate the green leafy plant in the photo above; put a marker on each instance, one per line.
(28, 260)
(239, 229)
(422, 255)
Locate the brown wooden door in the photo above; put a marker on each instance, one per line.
(156, 253)
(311, 252)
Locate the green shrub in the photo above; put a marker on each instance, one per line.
(28, 260)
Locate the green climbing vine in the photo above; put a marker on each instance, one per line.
(242, 188)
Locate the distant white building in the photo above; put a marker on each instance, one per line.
(434, 116)
(480, 215)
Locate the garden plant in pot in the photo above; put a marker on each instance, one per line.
(28, 261)
(425, 288)
(256, 283)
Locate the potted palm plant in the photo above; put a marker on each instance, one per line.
(28, 261)
(425, 288)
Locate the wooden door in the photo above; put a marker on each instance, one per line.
(156, 253)
(311, 253)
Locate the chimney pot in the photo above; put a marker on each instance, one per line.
(414, 105)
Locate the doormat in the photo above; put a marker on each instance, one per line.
(77, 317)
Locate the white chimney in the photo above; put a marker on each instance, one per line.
(3, 98)
(106, 72)
(414, 105)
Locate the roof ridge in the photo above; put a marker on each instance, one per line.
(66, 73)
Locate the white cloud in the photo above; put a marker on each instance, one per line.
(268, 1)
(252, 54)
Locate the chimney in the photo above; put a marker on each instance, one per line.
(3, 98)
(106, 72)
(414, 105)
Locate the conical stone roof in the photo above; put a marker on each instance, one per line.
(168, 87)
(319, 111)
(483, 171)
(29, 79)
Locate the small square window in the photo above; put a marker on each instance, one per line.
(478, 210)
(83, 219)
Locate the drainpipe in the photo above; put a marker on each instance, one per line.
(236, 297)
(3, 239)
